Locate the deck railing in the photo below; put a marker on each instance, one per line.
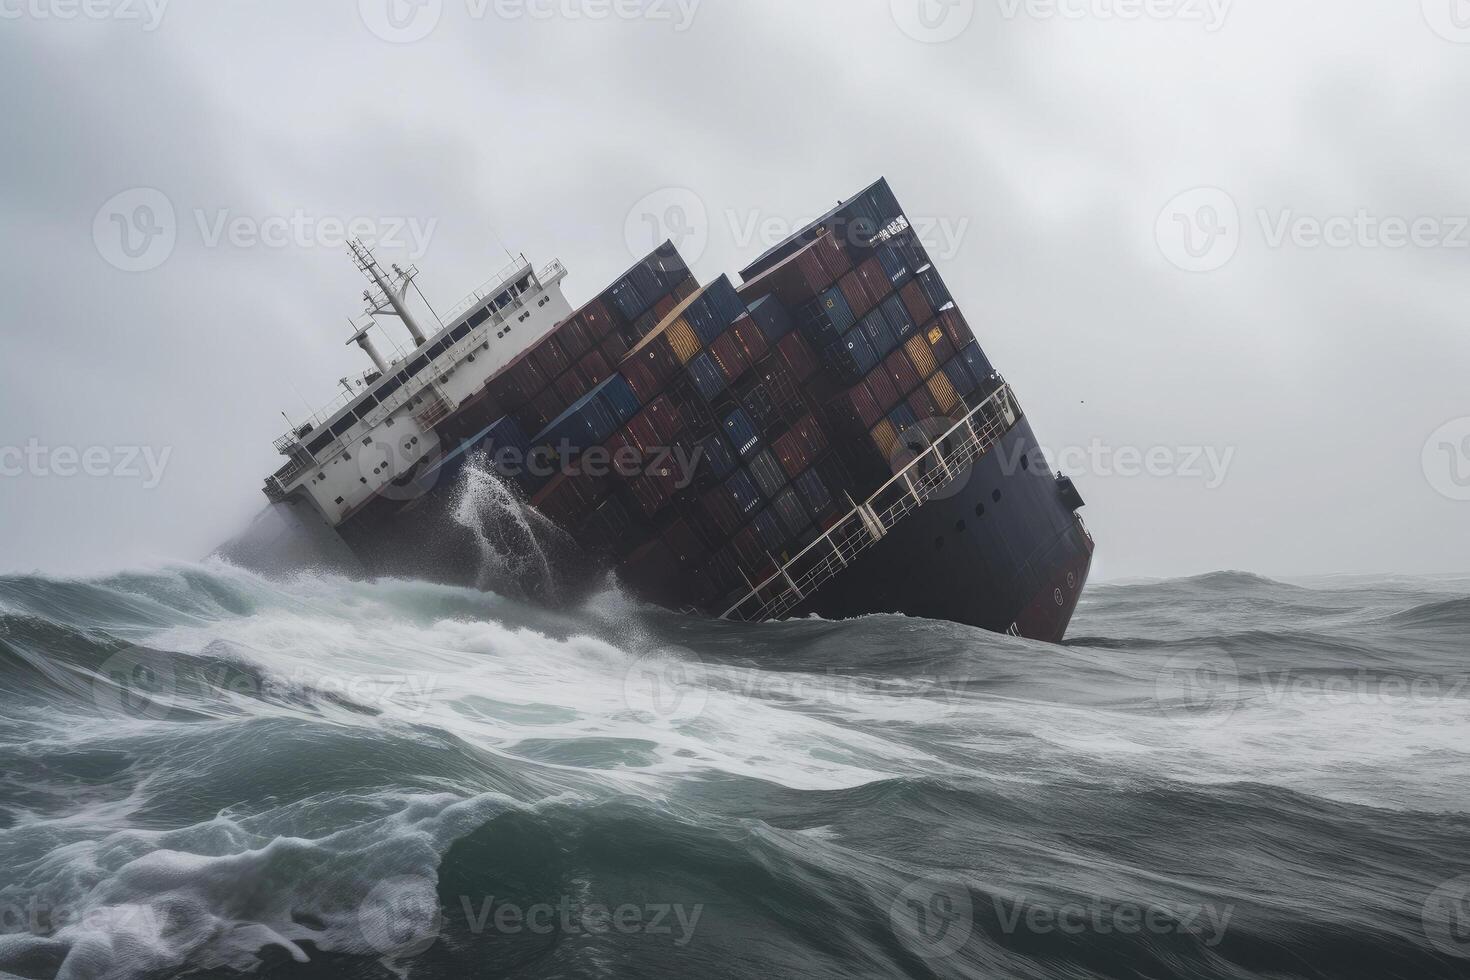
(947, 459)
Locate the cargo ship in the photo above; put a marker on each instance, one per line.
(825, 438)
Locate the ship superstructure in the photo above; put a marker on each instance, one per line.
(827, 437)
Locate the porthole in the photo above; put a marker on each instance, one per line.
(979, 510)
(959, 527)
(995, 496)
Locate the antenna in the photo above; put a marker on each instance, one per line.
(389, 297)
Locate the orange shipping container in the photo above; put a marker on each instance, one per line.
(943, 392)
(885, 438)
(684, 341)
(922, 355)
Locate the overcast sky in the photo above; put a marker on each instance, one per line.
(1280, 373)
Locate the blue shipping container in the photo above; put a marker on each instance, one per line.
(976, 361)
(880, 335)
(898, 318)
(717, 456)
(773, 318)
(814, 492)
(741, 432)
(768, 528)
(743, 492)
(959, 376)
(903, 419)
(894, 266)
(589, 422)
(707, 377)
(853, 357)
(767, 473)
(619, 397)
(934, 288)
(793, 514)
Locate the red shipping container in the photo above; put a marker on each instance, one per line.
(856, 294)
(721, 510)
(812, 437)
(916, 303)
(594, 368)
(598, 320)
(813, 273)
(664, 307)
(644, 325)
(649, 371)
(875, 280)
(956, 328)
(575, 337)
(833, 256)
(614, 347)
(901, 372)
(884, 393)
(547, 406)
(571, 386)
(939, 340)
(922, 403)
(666, 421)
(551, 357)
(797, 355)
(857, 406)
(792, 452)
(651, 491)
(642, 435)
(729, 356)
(750, 338)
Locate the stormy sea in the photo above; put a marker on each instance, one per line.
(205, 772)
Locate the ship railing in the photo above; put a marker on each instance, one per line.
(489, 289)
(947, 458)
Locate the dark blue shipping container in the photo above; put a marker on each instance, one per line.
(768, 528)
(741, 432)
(589, 422)
(880, 335)
(619, 397)
(898, 318)
(852, 357)
(743, 492)
(717, 307)
(704, 321)
(707, 377)
(814, 492)
(767, 473)
(724, 300)
(630, 299)
(959, 376)
(717, 456)
(903, 419)
(772, 316)
(976, 361)
(837, 310)
(934, 288)
(667, 267)
(502, 434)
(792, 513)
(894, 266)
(817, 327)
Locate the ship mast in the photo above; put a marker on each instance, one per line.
(389, 297)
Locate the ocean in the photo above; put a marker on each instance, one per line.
(209, 773)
